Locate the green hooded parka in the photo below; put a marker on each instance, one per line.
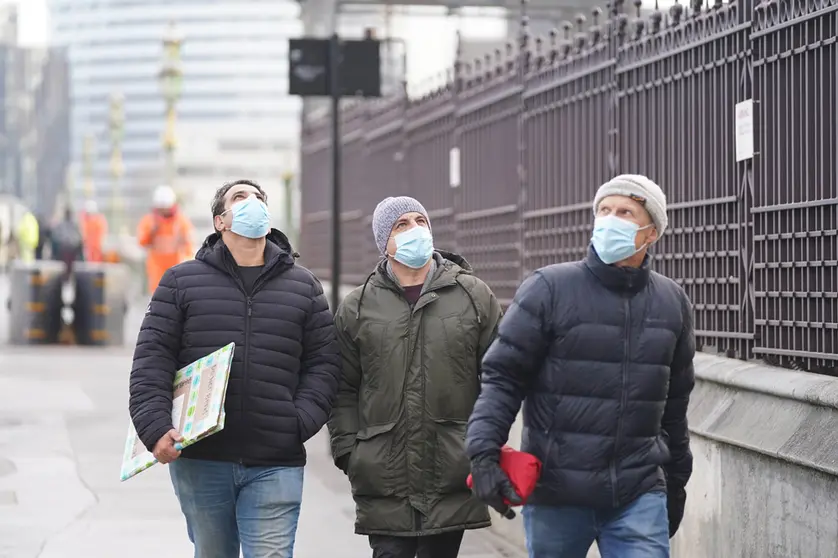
(410, 380)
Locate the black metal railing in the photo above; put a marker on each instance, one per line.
(540, 125)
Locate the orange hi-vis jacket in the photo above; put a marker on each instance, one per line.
(168, 241)
(94, 228)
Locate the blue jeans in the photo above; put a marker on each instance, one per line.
(637, 530)
(230, 507)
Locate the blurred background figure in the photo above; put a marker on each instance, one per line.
(27, 235)
(43, 236)
(66, 241)
(166, 234)
(94, 229)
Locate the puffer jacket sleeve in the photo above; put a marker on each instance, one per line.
(343, 425)
(155, 363)
(320, 370)
(510, 363)
(681, 383)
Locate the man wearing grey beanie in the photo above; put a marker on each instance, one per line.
(411, 339)
(600, 351)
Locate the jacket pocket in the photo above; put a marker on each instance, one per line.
(451, 465)
(371, 469)
(459, 339)
(660, 451)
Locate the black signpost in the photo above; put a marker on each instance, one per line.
(336, 69)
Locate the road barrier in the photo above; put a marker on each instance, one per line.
(34, 302)
(88, 308)
(99, 306)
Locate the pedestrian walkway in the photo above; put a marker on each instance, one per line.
(63, 421)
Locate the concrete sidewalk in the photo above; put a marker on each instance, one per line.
(63, 422)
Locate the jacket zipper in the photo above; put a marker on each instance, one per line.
(408, 364)
(623, 400)
(248, 298)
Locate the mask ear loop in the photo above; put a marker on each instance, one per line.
(645, 244)
(224, 228)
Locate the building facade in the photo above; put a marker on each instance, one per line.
(235, 75)
(34, 119)
(45, 131)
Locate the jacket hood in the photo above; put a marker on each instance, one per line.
(277, 250)
(455, 259)
(448, 266)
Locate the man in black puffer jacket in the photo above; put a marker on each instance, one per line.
(239, 489)
(601, 353)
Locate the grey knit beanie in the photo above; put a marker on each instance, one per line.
(640, 189)
(388, 212)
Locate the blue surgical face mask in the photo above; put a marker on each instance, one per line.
(613, 238)
(251, 218)
(414, 248)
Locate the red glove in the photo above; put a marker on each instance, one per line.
(523, 470)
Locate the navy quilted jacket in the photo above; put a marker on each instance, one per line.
(602, 358)
(286, 367)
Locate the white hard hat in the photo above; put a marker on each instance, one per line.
(90, 206)
(164, 197)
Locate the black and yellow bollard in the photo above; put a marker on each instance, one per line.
(90, 306)
(35, 302)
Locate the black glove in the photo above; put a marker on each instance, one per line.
(342, 463)
(676, 500)
(492, 486)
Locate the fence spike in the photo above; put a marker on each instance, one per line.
(656, 18)
(567, 43)
(638, 28)
(510, 56)
(596, 29)
(581, 37)
(554, 45)
(696, 7)
(622, 23)
(675, 12)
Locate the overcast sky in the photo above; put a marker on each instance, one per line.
(33, 21)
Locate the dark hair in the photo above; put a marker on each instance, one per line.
(218, 199)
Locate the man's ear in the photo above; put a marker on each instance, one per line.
(653, 235)
(217, 223)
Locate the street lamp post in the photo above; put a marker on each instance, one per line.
(290, 231)
(171, 80)
(116, 124)
(87, 166)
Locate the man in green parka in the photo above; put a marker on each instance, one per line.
(411, 338)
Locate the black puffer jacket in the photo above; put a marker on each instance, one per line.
(286, 367)
(603, 357)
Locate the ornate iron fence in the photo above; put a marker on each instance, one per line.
(542, 124)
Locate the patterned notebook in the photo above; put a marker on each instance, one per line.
(197, 408)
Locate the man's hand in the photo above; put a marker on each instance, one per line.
(164, 450)
(492, 486)
(676, 500)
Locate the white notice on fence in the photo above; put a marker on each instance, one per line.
(744, 130)
(454, 167)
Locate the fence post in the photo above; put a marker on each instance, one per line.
(617, 23)
(523, 70)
